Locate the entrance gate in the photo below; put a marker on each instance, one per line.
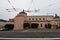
(28, 26)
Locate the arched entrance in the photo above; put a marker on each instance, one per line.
(48, 26)
(30, 26)
(26, 25)
(9, 27)
(34, 25)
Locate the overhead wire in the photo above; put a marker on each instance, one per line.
(35, 9)
(30, 4)
(11, 5)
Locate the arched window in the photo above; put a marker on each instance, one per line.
(41, 25)
(43, 18)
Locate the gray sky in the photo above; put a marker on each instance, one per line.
(47, 7)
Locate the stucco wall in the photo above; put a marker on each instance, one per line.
(22, 17)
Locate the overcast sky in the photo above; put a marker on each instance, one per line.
(47, 7)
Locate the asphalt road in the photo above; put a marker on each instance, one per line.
(32, 33)
(29, 39)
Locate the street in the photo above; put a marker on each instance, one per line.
(31, 33)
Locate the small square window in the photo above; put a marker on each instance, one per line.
(32, 18)
(29, 18)
(36, 18)
(43, 18)
(39, 18)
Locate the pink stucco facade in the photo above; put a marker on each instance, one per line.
(22, 18)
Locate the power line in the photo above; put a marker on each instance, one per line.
(35, 9)
(11, 5)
